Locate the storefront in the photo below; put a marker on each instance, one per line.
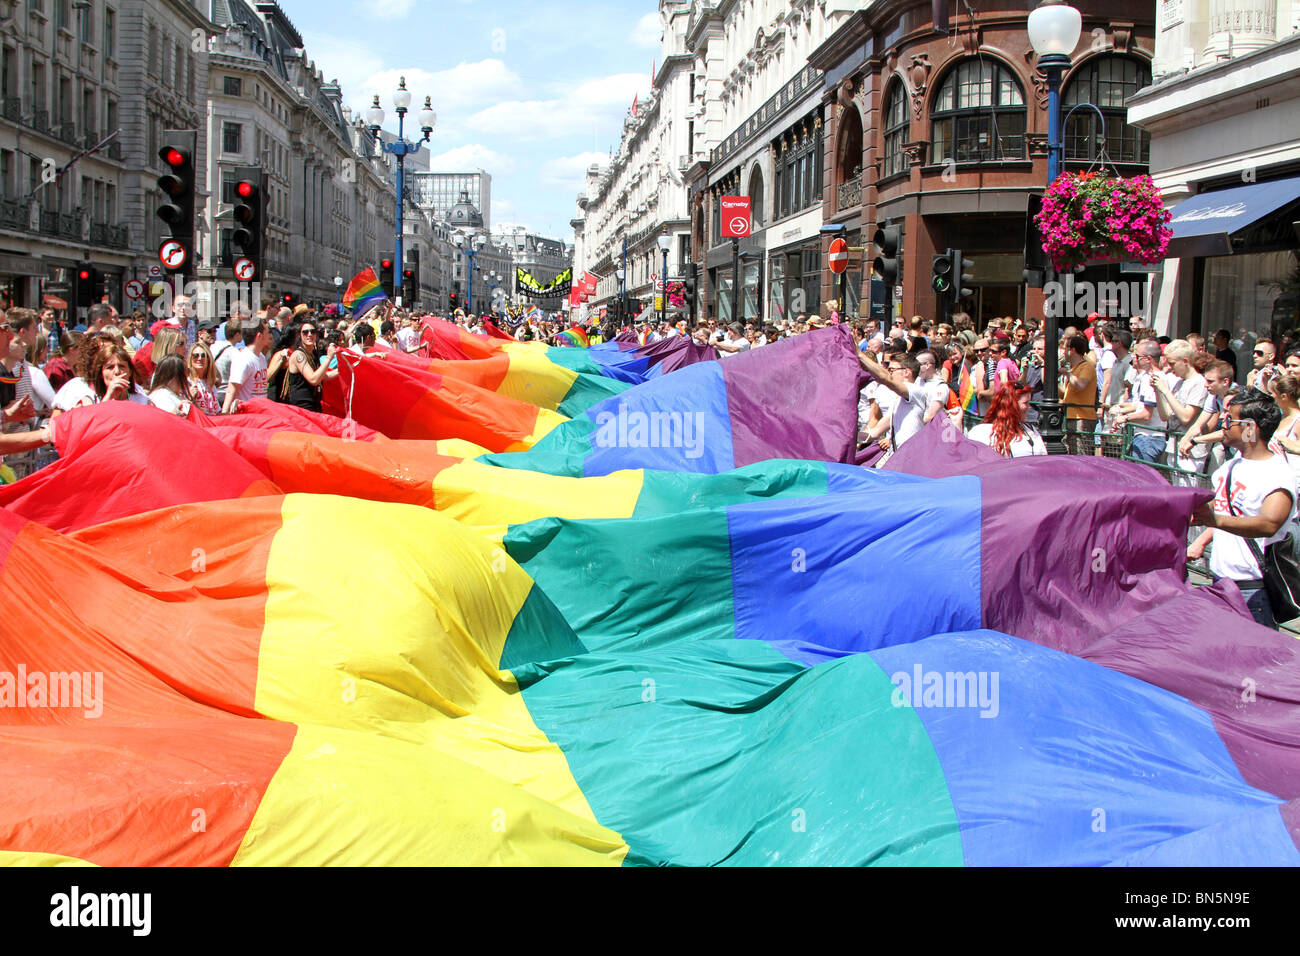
(20, 279)
(1243, 247)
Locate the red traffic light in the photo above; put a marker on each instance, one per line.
(173, 157)
(386, 263)
(407, 273)
(288, 298)
(83, 275)
(245, 190)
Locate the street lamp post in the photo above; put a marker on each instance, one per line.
(470, 248)
(622, 294)
(1054, 29)
(665, 243)
(338, 294)
(401, 149)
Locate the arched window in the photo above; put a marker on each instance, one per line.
(756, 196)
(1106, 82)
(978, 114)
(895, 130)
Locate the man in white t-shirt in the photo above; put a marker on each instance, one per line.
(735, 340)
(1254, 501)
(930, 379)
(1145, 409)
(248, 367)
(899, 378)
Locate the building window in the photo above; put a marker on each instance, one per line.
(227, 186)
(234, 86)
(232, 136)
(978, 114)
(61, 14)
(110, 33)
(1106, 82)
(797, 168)
(895, 130)
(85, 24)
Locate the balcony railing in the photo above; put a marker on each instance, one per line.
(13, 109)
(849, 194)
(14, 214)
(41, 121)
(49, 222)
(67, 132)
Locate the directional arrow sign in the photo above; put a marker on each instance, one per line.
(134, 289)
(244, 269)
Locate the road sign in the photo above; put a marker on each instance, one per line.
(898, 293)
(838, 256)
(735, 217)
(172, 254)
(245, 269)
(134, 289)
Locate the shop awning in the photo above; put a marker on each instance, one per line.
(1204, 225)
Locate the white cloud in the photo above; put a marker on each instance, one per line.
(593, 107)
(648, 32)
(472, 156)
(456, 91)
(569, 173)
(387, 9)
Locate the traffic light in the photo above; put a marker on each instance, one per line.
(176, 251)
(411, 277)
(962, 271)
(453, 300)
(690, 273)
(386, 276)
(941, 275)
(885, 264)
(1036, 261)
(289, 300)
(87, 283)
(248, 238)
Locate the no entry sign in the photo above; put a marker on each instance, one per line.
(735, 217)
(838, 256)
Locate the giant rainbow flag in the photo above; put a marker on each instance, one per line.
(364, 640)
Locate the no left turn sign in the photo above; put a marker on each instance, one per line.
(172, 254)
(134, 289)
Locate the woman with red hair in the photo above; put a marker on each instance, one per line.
(1004, 429)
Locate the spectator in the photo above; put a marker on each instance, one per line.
(201, 372)
(60, 369)
(1204, 431)
(1119, 374)
(1286, 390)
(306, 375)
(1004, 429)
(1022, 346)
(110, 377)
(1265, 365)
(363, 337)
(1032, 376)
(248, 368)
(928, 377)
(223, 353)
(1144, 407)
(735, 340)
(42, 392)
(1006, 369)
(904, 416)
(1184, 401)
(1080, 377)
(1254, 499)
(169, 389)
(1224, 353)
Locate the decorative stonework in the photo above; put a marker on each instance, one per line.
(1036, 143)
(917, 78)
(915, 152)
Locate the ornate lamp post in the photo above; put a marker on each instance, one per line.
(1054, 29)
(338, 293)
(401, 149)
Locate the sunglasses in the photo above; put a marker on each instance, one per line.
(308, 331)
(1259, 352)
(197, 355)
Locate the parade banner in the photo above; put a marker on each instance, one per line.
(557, 286)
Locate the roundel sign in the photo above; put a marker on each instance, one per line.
(838, 257)
(735, 219)
(172, 254)
(245, 269)
(134, 289)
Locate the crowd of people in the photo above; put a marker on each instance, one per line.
(1197, 408)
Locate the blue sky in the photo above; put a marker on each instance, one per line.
(531, 92)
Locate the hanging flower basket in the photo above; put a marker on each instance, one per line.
(1096, 217)
(676, 295)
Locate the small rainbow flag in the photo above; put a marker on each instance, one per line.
(364, 292)
(574, 336)
(966, 393)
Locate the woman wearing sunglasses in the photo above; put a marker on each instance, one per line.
(306, 375)
(202, 372)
